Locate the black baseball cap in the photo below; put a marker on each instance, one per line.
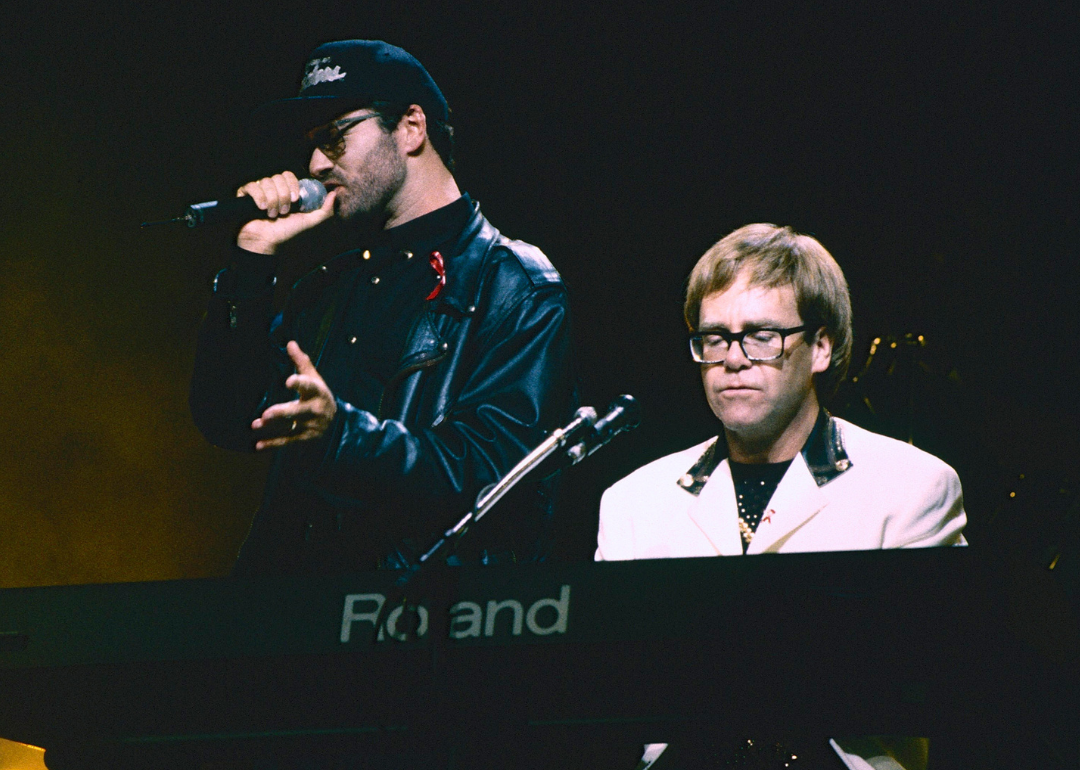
(346, 74)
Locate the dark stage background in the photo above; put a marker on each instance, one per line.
(930, 149)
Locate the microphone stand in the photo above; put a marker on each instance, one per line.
(493, 493)
(485, 501)
(623, 414)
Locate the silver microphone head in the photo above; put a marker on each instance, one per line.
(312, 195)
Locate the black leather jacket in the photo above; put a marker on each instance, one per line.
(485, 374)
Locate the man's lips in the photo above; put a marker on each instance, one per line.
(737, 390)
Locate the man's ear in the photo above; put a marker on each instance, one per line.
(820, 352)
(411, 130)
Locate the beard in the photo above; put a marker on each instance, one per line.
(367, 187)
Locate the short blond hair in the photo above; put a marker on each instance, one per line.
(774, 256)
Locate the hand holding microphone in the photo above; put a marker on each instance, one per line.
(278, 196)
(273, 210)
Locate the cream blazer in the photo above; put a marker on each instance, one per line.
(888, 495)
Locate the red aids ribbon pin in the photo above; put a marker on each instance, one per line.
(437, 264)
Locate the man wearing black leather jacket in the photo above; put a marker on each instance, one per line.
(403, 375)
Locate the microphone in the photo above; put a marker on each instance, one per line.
(244, 209)
(623, 414)
(584, 418)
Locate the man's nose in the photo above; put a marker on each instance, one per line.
(736, 358)
(319, 163)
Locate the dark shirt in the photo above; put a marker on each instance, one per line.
(754, 487)
(389, 278)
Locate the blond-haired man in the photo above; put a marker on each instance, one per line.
(770, 321)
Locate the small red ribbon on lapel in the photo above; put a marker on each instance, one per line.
(437, 264)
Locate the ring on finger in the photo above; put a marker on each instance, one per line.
(293, 428)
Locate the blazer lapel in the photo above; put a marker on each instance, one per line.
(715, 513)
(797, 498)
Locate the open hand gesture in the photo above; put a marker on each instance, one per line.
(306, 418)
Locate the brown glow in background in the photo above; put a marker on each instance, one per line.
(932, 151)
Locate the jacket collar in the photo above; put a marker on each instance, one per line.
(824, 453)
(463, 275)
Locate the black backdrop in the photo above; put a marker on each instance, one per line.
(930, 148)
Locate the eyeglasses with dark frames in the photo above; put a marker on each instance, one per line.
(712, 346)
(330, 137)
